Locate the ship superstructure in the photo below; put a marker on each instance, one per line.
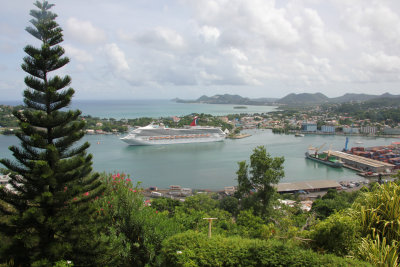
(159, 135)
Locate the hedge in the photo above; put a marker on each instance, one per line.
(196, 249)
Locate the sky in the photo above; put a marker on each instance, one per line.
(161, 49)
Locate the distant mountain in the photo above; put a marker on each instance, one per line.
(304, 98)
(385, 100)
(358, 97)
(225, 99)
(319, 98)
(294, 99)
(265, 99)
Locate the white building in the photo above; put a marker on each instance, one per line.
(309, 126)
(351, 130)
(328, 129)
(368, 129)
(389, 130)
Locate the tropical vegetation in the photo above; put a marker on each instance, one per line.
(59, 213)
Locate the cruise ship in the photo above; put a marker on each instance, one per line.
(159, 135)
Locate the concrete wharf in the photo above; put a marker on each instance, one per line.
(362, 163)
(307, 186)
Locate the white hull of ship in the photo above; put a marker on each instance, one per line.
(147, 142)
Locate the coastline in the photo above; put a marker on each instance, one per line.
(238, 136)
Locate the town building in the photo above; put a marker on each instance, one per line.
(389, 130)
(368, 130)
(309, 126)
(350, 130)
(328, 129)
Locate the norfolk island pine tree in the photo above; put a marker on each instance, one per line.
(47, 215)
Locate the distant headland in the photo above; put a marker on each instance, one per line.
(291, 99)
(229, 99)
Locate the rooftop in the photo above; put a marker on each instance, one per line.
(307, 185)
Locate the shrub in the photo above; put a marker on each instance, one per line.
(378, 252)
(338, 234)
(196, 249)
(132, 222)
(379, 212)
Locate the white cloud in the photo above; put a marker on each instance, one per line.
(84, 31)
(77, 54)
(236, 54)
(159, 38)
(316, 32)
(209, 77)
(381, 63)
(242, 22)
(376, 22)
(210, 34)
(116, 58)
(206, 45)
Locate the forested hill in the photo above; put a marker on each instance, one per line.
(228, 99)
(304, 98)
(358, 97)
(293, 99)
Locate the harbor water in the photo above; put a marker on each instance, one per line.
(129, 109)
(212, 165)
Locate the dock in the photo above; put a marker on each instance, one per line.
(363, 164)
(239, 136)
(307, 186)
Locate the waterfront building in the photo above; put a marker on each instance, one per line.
(368, 130)
(389, 130)
(176, 119)
(350, 130)
(364, 164)
(307, 186)
(328, 129)
(309, 126)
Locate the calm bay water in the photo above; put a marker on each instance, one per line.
(204, 165)
(130, 109)
(211, 165)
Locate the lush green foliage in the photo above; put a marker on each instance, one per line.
(7, 119)
(196, 249)
(106, 125)
(255, 184)
(378, 212)
(338, 234)
(333, 201)
(166, 204)
(376, 111)
(230, 204)
(379, 253)
(139, 228)
(47, 217)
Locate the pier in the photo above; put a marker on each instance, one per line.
(363, 164)
(307, 186)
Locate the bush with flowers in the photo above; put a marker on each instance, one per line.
(136, 226)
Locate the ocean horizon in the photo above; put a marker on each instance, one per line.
(153, 108)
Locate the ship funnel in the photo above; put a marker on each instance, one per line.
(194, 122)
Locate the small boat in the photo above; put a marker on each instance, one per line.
(299, 135)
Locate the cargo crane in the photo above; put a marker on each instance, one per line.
(319, 148)
(345, 149)
(311, 148)
(329, 150)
